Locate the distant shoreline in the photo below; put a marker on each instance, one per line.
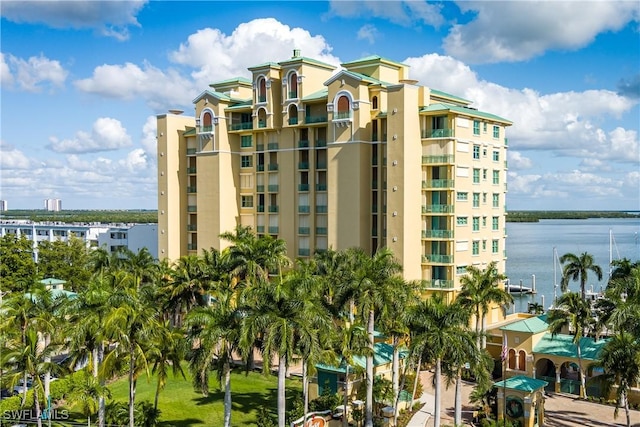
(143, 216)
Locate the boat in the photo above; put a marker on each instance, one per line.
(517, 289)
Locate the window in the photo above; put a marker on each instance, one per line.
(495, 223)
(207, 122)
(484, 245)
(262, 89)
(476, 127)
(245, 141)
(496, 177)
(293, 85)
(476, 176)
(484, 127)
(476, 200)
(462, 220)
(496, 200)
(344, 107)
(496, 156)
(494, 246)
(475, 247)
(484, 174)
(246, 161)
(496, 132)
(484, 221)
(476, 152)
(461, 269)
(374, 103)
(462, 196)
(484, 152)
(246, 201)
(476, 223)
(484, 198)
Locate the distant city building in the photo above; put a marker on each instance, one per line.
(53, 205)
(110, 236)
(4, 206)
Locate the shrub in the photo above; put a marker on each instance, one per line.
(145, 415)
(59, 389)
(10, 404)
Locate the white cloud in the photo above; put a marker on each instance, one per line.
(519, 30)
(399, 12)
(109, 18)
(517, 160)
(12, 158)
(33, 74)
(149, 142)
(368, 32)
(136, 160)
(106, 134)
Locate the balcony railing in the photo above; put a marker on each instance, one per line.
(273, 188)
(321, 209)
(303, 187)
(262, 98)
(438, 133)
(272, 146)
(437, 234)
(303, 165)
(321, 187)
(304, 252)
(273, 229)
(260, 208)
(303, 230)
(245, 143)
(321, 230)
(374, 209)
(192, 227)
(191, 151)
(341, 115)
(303, 143)
(260, 188)
(191, 170)
(260, 147)
(205, 129)
(273, 208)
(321, 143)
(191, 189)
(506, 141)
(315, 119)
(273, 166)
(439, 284)
(437, 209)
(304, 209)
(260, 168)
(192, 247)
(445, 158)
(321, 164)
(438, 183)
(374, 232)
(241, 126)
(260, 228)
(293, 120)
(437, 258)
(192, 208)
(262, 123)
(293, 94)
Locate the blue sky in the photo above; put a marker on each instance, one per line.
(83, 81)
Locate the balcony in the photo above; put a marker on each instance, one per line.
(260, 188)
(445, 158)
(260, 229)
(260, 208)
(321, 143)
(321, 209)
(438, 183)
(206, 129)
(262, 123)
(293, 121)
(437, 234)
(241, 126)
(191, 151)
(304, 252)
(273, 229)
(303, 187)
(438, 133)
(262, 98)
(374, 232)
(321, 230)
(437, 209)
(321, 187)
(506, 141)
(303, 165)
(320, 164)
(192, 247)
(191, 189)
(273, 188)
(304, 209)
(245, 143)
(374, 185)
(293, 94)
(439, 284)
(272, 146)
(303, 143)
(191, 171)
(192, 227)
(192, 208)
(273, 208)
(315, 119)
(260, 147)
(273, 166)
(437, 259)
(374, 209)
(303, 230)
(260, 168)
(505, 165)
(342, 115)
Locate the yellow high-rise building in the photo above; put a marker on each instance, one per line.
(323, 158)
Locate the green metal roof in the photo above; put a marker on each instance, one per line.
(265, 65)
(219, 95)
(51, 281)
(562, 345)
(533, 325)
(521, 383)
(442, 107)
(382, 354)
(317, 96)
(189, 132)
(442, 94)
(241, 105)
(373, 58)
(308, 61)
(243, 80)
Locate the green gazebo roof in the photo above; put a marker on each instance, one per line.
(533, 325)
(562, 345)
(382, 354)
(521, 383)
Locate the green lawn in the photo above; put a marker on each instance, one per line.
(181, 406)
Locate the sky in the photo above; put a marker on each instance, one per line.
(83, 81)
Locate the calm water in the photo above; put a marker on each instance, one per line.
(530, 248)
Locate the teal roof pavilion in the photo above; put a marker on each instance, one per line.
(522, 383)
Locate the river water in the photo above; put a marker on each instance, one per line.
(530, 251)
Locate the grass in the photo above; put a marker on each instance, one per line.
(181, 406)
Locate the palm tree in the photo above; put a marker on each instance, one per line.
(87, 392)
(166, 353)
(437, 327)
(370, 286)
(576, 268)
(574, 313)
(480, 290)
(622, 303)
(187, 287)
(620, 359)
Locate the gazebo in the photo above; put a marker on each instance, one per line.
(521, 400)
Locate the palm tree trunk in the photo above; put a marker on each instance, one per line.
(395, 378)
(583, 388)
(345, 418)
(305, 390)
(36, 404)
(227, 393)
(47, 375)
(282, 370)
(101, 402)
(478, 342)
(369, 400)
(457, 420)
(625, 397)
(438, 394)
(484, 330)
(415, 381)
(132, 387)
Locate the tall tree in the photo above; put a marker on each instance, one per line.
(577, 268)
(572, 313)
(166, 353)
(18, 269)
(480, 290)
(187, 288)
(66, 260)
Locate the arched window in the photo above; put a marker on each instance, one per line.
(262, 118)
(374, 103)
(522, 361)
(262, 89)
(207, 122)
(293, 114)
(512, 359)
(344, 107)
(293, 85)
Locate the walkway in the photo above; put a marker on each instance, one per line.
(421, 417)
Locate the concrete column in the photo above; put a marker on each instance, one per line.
(557, 386)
